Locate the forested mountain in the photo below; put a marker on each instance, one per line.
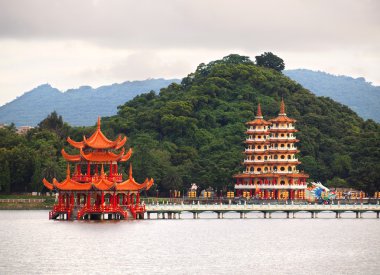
(359, 95)
(79, 106)
(194, 132)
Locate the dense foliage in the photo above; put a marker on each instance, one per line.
(271, 61)
(194, 132)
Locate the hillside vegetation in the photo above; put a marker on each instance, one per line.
(194, 132)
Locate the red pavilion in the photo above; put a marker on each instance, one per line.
(91, 192)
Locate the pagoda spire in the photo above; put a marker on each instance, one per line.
(259, 113)
(130, 171)
(99, 123)
(102, 171)
(282, 107)
(68, 171)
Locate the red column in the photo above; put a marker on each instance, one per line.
(115, 168)
(102, 199)
(78, 198)
(138, 198)
(128, 199)
(88, 200)
(88, 169)
(111, 172)
(96, 169)
(72, 199)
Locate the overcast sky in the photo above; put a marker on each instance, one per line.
(69, 43)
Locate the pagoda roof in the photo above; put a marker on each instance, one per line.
(259, 119)
(282, 115)
(100, 183)
(98, 156)
(98, 141)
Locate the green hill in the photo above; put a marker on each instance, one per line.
(194, 131)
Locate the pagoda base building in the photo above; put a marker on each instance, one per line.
(90, 193)
(270, 160)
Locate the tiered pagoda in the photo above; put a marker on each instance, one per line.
(270, 160)
(96, 189)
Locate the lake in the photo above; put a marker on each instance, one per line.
(32, 244)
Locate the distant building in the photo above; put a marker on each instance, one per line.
(270, 161)
(22, 130)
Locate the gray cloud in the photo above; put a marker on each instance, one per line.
(291, 24)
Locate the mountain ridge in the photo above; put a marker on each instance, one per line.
(80, 106)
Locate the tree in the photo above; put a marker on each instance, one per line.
(271, 61)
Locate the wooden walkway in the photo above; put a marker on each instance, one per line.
(175, 211)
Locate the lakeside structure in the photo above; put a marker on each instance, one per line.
(270, 162)
(91, 192)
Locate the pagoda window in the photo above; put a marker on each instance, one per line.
(289, 157)
(266, 169)
(290, 169)
(282, 168)
(275, 157)
(288, 145)
(259, 169)
(282, 182)
(252, 169)
(259, 147)
(274, 168)
(282, 145)
(282, 156)
(265, 157)
(259, 157)
(259, 136)
(282, 135)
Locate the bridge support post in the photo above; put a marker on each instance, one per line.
(265, 215)
(194, 215)
(218, 215)
(312, 215)
(316, 214)
(197, 215)
(270, 215)
(241, 215)
(148, 215)
(179, 215)
(294, 215)
(287, 215)
(163, 215)
(360, 215)
(377, 214)
(222, 215)
(357, 215)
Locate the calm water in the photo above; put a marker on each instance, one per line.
(30, 243)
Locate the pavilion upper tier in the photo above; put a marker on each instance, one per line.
(98, 149)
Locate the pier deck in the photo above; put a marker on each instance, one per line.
(174, 211)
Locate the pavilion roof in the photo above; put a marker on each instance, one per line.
(100, 183)
(98, 140)
(96, 156)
